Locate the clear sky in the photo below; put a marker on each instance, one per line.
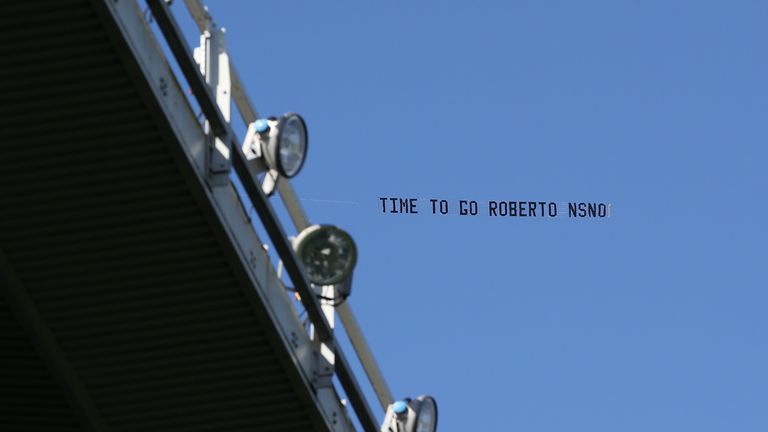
(651, 320)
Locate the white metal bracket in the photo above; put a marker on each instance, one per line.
(326, 356)
(213, 59)
(325, 353)
(254, 155)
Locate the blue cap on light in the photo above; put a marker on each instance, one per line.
(399, 407)
(261, 125)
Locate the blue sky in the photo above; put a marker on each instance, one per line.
(654, 319)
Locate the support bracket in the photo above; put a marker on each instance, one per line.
(213, 59)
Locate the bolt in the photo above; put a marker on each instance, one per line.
(163, 86)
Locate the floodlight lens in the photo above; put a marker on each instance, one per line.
(292, 144)
(426, 420)
(328, 253)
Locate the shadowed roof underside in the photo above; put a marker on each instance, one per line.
(122, 308)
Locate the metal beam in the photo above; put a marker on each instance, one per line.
(380, 387)
(355, 393)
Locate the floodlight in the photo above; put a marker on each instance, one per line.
(328, 253)
(411, 415)
(280, 143)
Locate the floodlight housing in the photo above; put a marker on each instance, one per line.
(280, 143)
(328, 254)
